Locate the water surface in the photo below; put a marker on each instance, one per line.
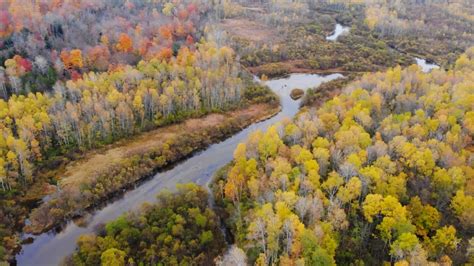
(425, 67)
(339, 30)
(49, 248)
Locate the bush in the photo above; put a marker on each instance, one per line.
(274, 69)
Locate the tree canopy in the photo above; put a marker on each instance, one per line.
(179, 229)
(383, 174)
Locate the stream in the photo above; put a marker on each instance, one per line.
(338, 31)
(51, 247)
(425, 66)
(422, 63)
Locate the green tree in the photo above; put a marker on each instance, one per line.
(113, 257)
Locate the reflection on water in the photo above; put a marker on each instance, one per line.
(425, 67)
(49, 248)
(337, 32)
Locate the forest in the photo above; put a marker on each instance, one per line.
(101, 98)
(381, 173)
(179, 229)
(75, 78)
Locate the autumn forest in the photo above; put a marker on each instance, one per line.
(236, 132)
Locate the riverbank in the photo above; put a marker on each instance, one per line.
(291, 191)
(100, 176)
(50, 248)
(317, 96)
(279, 69)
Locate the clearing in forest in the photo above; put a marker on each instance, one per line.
(249, 30)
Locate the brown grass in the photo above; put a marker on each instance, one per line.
(249, 30)
(94, 162)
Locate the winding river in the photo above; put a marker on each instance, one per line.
(49, 248)
(422, 63)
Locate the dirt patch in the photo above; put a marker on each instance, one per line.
(250, 30)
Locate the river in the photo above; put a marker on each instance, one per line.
(49, 248)
(339, 30)
(425, 67)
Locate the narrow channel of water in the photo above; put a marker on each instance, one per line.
(425, 67)
(49, 248)
(338, 31)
